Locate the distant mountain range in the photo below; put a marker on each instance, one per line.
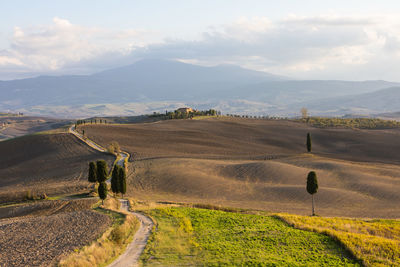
(156, 85)
(380, 101)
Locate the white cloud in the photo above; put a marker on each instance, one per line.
(320, 47)
(61, 44)
(325, 46)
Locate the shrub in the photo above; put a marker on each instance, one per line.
(113, 147)
(117, 235)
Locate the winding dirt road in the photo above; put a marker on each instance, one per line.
(136, 247)
(133, 251)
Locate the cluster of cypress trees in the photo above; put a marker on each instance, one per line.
(118, 180)
(98, 172)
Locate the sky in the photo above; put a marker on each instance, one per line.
(302, 39)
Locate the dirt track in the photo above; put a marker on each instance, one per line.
(131, 256)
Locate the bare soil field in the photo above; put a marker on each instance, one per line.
(41, 239)
(236, 138)
(347, 189)
(46, 207)
(46, 163)
(261, 164)
(14, 126)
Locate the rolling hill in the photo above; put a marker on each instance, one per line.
(51, 164)
(260, 164)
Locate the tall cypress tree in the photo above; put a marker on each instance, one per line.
(308, 142)
(122, 181)
(102, 190)
(102, 171)
(115, 180)
(312, 187)
(92, 177)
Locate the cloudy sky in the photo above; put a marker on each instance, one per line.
(303, 39)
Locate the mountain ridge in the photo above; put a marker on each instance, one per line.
(169, 84)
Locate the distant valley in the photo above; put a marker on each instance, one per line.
(158, 85)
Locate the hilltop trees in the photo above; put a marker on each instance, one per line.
(92, 177)
(312, 187)
(308, 142)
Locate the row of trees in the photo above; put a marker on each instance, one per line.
(118, 180)
(170, 115)
(92, 121)
(98, 173)
(260, 117)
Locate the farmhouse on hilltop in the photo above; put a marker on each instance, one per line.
(185, 110)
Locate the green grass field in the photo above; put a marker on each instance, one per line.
(190, 236)
(375, 242)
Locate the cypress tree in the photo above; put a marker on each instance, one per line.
(312, 187)
(102, 191)
(115, 180)
(92, 172)
(102, 171)
(308, 142)
(122, 181)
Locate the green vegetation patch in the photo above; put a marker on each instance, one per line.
(190, 236)
(375, 242)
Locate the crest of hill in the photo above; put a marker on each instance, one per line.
(169, 71)
(237, 138)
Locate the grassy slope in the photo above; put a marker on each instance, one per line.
(375, 242)
(188, 236)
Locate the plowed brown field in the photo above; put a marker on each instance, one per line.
(47, 231)
(51, 164)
